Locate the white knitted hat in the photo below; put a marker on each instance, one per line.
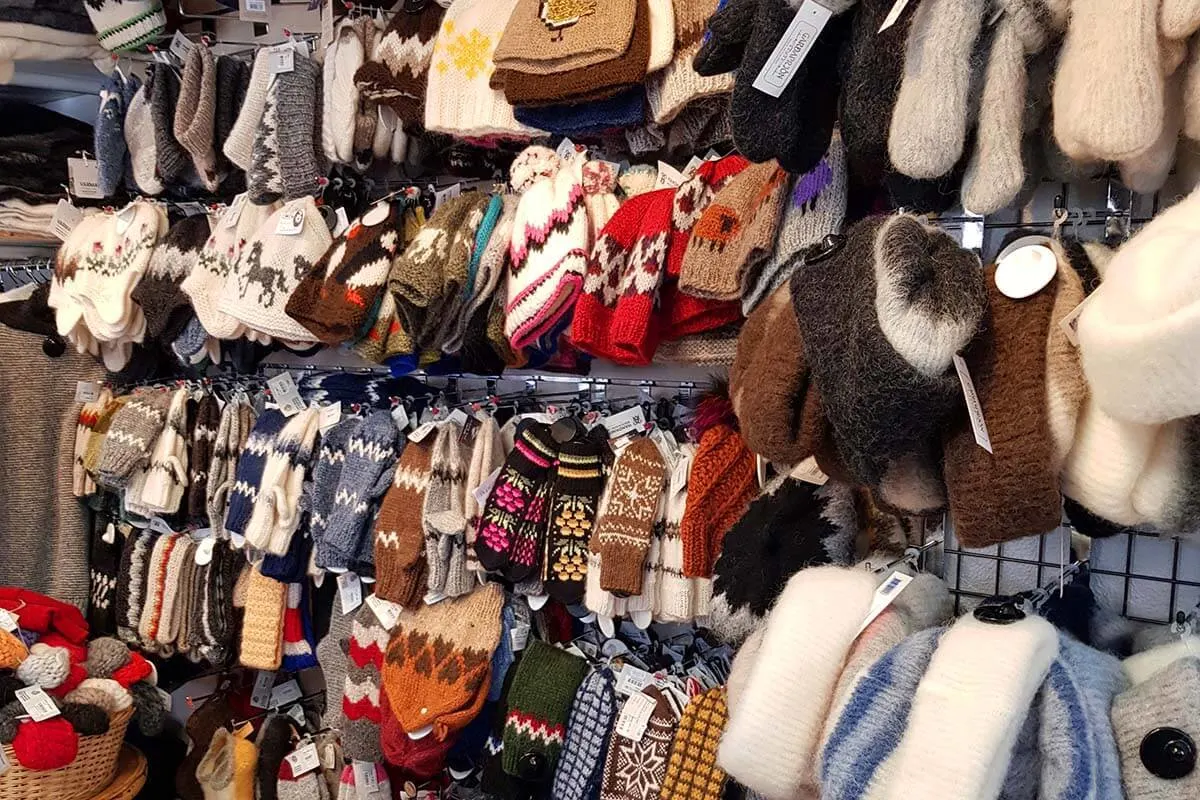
(792, 679)
(126, 24)
(270, 267)
(460, 100)
(1139, 334)
(105, 281)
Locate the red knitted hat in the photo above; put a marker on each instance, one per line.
(48, 744)
(615, 316)
(419, 759)
(41, 614)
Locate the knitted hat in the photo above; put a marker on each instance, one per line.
(334, 299)
(243, 494)
(369, 458)
(1151, 720)
(911, 389)
(634, 766)
(195, 113)
(525, 470)
(593, 714)
(624, 109)
(276, 513)
(399, 539)
(271, 267)
(734, 233)
(692, 769)
(204, 436)
(438, 663)
(486, 267)
(599, 187)
(814, 208)
(360, 705)
(623, 532)
(672, 89)
(46, 745)
(126, 24)
(262, 628)
(539, 703)
(548, 254)
(558, 40)
(239, 144)
(578, 481)
(396, 75)
(159, 294)
(722, 484)
(131, 434)
(459, 100)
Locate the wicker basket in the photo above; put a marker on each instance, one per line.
(92, 769)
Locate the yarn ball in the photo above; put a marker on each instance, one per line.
(49, 744)
(532, 164)
(138, 669)
(148, 709)
(9, 684)
(87, 719)
(46, 666)
(105, 656)
(103, 692)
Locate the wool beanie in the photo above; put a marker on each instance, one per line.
(343, 56)
(131, 435)
(261, 644)
(203, 439)
(637, 768)
(239, 144)
(222, 468)
(911, 391)
(243, 494)
(814, 208)
(419, 759)
(271, 267)
(1156, 705)
(444, 315)
(360, 706)
(163, 302)
(1016, 481)
(589, 727)
(276, 513)
(443, 518)
(286, 166)
(438, 664)
(560, 40)
(548, 254)
(333, 300)
(545, 681)
(368, 461)
(930, 117)
(793, 525)
(126, 24)
(692, 769)
(577, 483)
(397, 73)
(195, 113)
(734, 233)
(1111, 51)
(512, 499)
(722, 484)
(623, 532)
(400, 565)
(779, 762)
(671, 90)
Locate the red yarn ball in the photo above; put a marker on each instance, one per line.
(48, 744)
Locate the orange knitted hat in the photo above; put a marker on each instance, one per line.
(722, 484)
(438, 663)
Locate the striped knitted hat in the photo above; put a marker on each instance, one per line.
(126, 24)
(539, 704)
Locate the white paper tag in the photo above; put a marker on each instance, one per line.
(387, 612)
(292, 223)
(569, 151)
(343, 222)
(974, 409)
(485, 488)
(458, 416)
(87, 391)
(422, 431)
(304, 759)
(1070, 323)
(793, 48)
(884, 595)
(668, 176)
(85, 178)
(420, 733)
(972, 233)
(66, 217)
(350, 591)
(432, 598)
(125, 218)
(181, 46)
(635, 715)
(284, 693)
(286, 395)
(329, 416)
(449, 193)
(234, 212)
(666, 445)
(893, 15)
(631, 680)
(690, 168)
(808, 471)
(518, 637)
(260, 696)
(536, 601)
(282, 58)
(37, 703)
(255, 11)
(204, 551)
(366, 782)
(631, 420)
(400, 417)
(7, 621)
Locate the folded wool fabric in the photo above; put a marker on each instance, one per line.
(195, 114)
(722, 484)
(276, 514)
(1012, 491)
(443, 518)
(400, 566)
(270, 268)
(910, 388)
(396, 75)
(159, 292)
(671, 90)
(539, 41)
(486, 268)
(126, 24)
(512, 499)
(131, 434)
(548, 254)
(239, 144)
(780, 762)
(243, 494)
(261, 645)
(438, 663)
(623, 532)
(545, 681)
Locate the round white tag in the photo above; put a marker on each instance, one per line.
(537, 601)
(1025, 271)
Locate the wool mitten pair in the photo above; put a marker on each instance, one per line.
(638, 767)
(504, 541)
(233, 432)
(577, 483)
(396, 75)
(164, 480)
(366, 468)
(400, 565)
(623, 530)
(487, 456)
(360, 703)
(544, 684)
(276, 513)
(261, 645)
(593, 714)
(443, 518)
(132, 432)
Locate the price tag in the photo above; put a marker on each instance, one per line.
(342, 224)
(568, 150)
(350, 591)
(400, 417)
(884, 595)
(181, 45)
(284, 693)
(387, 612)
(254, 11)
(792, 48)
(974, 407)
(631, 420)
(304, 759)
(37, 703)
(329, 416)
(458, 416)
(666, 445)
(422, 431)
(291, 222)
(234, 212)
(260, 696)
(192, 208)
(635, 715)
(631, 680)
(7, 621)
(287, 396)
(893, 15)
(432, 598)
(449, 193)
(808, 471)
(668, 176)
(87, 391)
(66, 217)
(692, 166)
(485, 488)
(85, 178)
(518, 637)
(366, 782)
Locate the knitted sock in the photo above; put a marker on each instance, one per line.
(360, 698)
(525, 469)
(370, 456)
(623, 532)
(577, 484)
(593, 714)
(539, 704)
(692, 769)
(297, 630)
(638, 768)
(173, 161)
(233, 80)
(400, 566)
(443, 518)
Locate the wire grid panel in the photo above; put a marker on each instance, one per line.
(1140, 576)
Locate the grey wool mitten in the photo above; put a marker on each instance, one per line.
(444, 517)
(371, 452)
(327, 472)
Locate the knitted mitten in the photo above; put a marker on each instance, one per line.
(85, 428)
(593, 715)
(487, 456)
(692, 769)
(623, 532)
(360, 697)
(243, 494)
(262, 629)
(111, 150)
(297, 630)
(399, 540)
(638, 768)
(204, 436)
(396, 75)
(525, 469)
(276, 512)
(131, 434)
(723, 482)
(166, 477)
(331, 655)
(539, 703)
(578, 482)
(327, 471)
(443, 517)
(370, 459)
(223, 464)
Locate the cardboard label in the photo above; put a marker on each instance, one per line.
(284, 693)
(893, 15)
(485, 488)
(366, 782)
(260, 696)
(631, 420)
(808, 471)
(884, 595)
(181, 46)
(125, 218)
(350, 591)
(37, 703)
(66, 217)
(792, 48)
(974, 408)
(304, 759)
(286, 395)
(387, 612)
(449, 193)
(400, 417)
(458, 416)
(87, 391)
(329, 416)
(85, 178)
(254, 10)
(422, 431)
(631, 680)
(291, 224)
(8, 621)
(635, 715)
(1070, 323)
(972, 233)
(518, 637)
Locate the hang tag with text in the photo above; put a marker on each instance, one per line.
(329, 416)
(66, 217)
(631, 420)
(254, 10)
(631, 680)
(422, 431)
(291, 223)
(793, 48)
(7, 621)
(87, 391)
(284, 693)
(884, 595)
(449, 193)
(286, 395)
(350, 591)
(635, 715)
(808, 471)
(366, 782)
(485, 488)
(85, 178)
(304, 759)
(260, 696)
(668, 176)
(37, 703)
(296, 712)
(181, 46)
(974, 408)
(387, 612)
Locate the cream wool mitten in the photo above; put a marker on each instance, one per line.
(929, 122)
(1191, 93)
(239, 145)
(139, 138)
(276, 513)
(1109, 91)
(1179, 19)
(342, 58)
(1146, 172)
(167, 475)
